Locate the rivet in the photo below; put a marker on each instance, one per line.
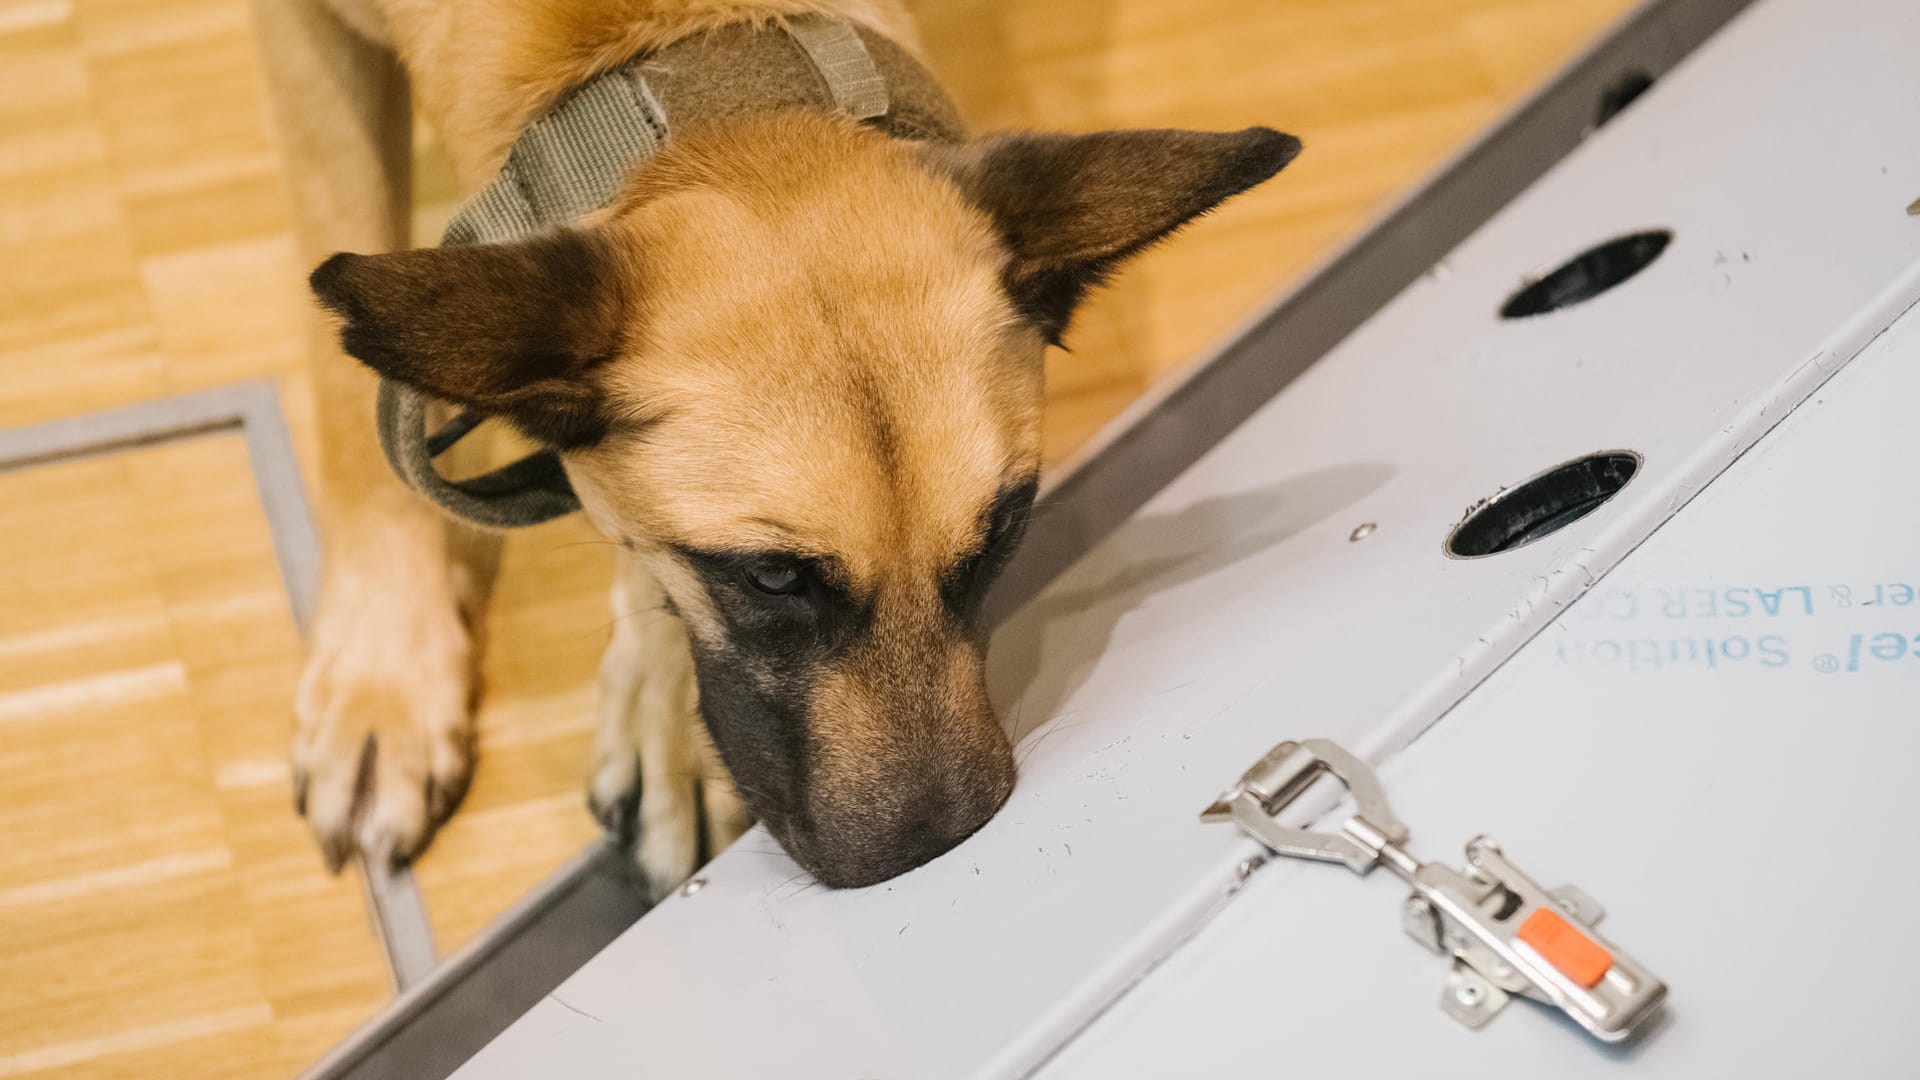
(1361, 532)
(1469, 994)
(692, 886)
(1246, 868)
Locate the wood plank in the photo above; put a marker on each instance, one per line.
(159, 902)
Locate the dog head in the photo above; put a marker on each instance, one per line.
(795, 367)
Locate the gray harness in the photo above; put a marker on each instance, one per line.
(567, 164)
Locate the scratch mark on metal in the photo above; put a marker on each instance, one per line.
(558, 1000)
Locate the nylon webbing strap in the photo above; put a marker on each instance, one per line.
(843, 60)
(527, 492)
(566, 164)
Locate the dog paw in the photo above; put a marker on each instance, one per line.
(645, 787)
(661, 835)
(667, 838)
(384, 744)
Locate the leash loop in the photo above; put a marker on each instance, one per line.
(529, 491)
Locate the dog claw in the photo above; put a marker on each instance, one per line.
(613, 792)
(333, 852)
(661, 839)
(377, 770)
(617, 814)
(447, 783)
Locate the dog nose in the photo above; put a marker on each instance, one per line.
(942, 830)
(880, 844)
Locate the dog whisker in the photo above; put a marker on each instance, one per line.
(1055, 728)
(591, 541)
(799, 877)
(603, 628)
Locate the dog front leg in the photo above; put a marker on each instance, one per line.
(384, 743)
(655, 774)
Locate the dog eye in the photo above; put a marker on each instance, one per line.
(776, 577)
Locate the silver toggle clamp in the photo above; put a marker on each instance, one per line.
(1506, 934)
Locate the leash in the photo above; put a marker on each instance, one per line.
(566, 164)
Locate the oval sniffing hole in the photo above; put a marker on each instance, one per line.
(1543, 505)
(1588, 274)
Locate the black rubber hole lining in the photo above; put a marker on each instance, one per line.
(1588, 274)
(1543, 505)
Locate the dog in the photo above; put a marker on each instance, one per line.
(793, 370)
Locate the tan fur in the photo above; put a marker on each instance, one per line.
(858, 719)
(862, 394)
(399, 580)
(650, 739)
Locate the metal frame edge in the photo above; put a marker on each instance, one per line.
(252, 410)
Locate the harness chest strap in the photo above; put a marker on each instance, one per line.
(567, 164)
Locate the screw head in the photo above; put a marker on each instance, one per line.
(1470, 994)
(1479, 847)
(1361, 532)
(692, 886)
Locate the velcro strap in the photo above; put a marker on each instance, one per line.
(572, 161)
(568, 163)
(836, 49)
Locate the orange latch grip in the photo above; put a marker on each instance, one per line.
(1571, 952)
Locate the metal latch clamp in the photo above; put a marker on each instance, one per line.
(1507, 935)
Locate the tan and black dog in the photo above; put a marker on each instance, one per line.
(794, 370)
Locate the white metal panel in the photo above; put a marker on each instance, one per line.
(1234, 606)
(1717, 743)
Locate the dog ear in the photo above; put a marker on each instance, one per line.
(516, 330)
(1071, 208)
